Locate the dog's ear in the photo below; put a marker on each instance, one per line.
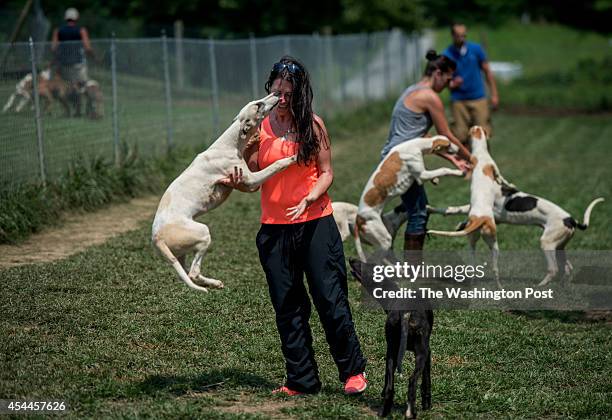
(245, 128)
(439, 145)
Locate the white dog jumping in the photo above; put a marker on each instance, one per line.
(484, 190)
(197, 190)
(394, 176)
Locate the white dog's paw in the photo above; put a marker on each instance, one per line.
(208, 282)
(216, 284)
(435, 181)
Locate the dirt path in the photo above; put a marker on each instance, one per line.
(78, 232)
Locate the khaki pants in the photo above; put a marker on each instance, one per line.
(75, 73)
(469, 113)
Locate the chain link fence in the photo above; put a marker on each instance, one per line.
(155, 93)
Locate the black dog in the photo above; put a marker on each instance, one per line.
(404, 330)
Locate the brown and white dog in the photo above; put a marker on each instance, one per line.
(519, 208)
(393, 176)
(24, 91)
(486, 187)
(197, 190)
(94, 104)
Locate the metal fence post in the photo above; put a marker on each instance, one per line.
(366, 68)
(417, 56)
(215, 90)
(403, 58)
(387, 64)
(116, 148)
(253, 48)
(169, 138)
(178, 53)
(39, 130)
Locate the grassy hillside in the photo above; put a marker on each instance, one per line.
(563, 68)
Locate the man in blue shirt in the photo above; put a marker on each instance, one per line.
(468, 96)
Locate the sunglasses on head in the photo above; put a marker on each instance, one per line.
(291, 67)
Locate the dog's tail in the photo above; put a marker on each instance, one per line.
(471, 226)
(587, 214)
(163, 248)
(358, 243)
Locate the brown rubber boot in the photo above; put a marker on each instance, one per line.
(413, 248)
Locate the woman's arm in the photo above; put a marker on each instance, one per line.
(434, 105)
(326, 173)
(250, 155)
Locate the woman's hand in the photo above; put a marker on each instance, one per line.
(459, 163)
(235, 180)
(296, 211)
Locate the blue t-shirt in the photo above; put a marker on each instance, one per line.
(469, 60)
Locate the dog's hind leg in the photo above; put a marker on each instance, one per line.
(421, 351)
(426, 383)
(201, 247)
(393, 335)
(9, 103)
(552, 240)
(491, 241)
(22, 103)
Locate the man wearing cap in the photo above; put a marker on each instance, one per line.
(469, 103)
(70, 43)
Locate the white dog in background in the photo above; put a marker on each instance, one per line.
(345, 215)
(197, 190)
(24, 91)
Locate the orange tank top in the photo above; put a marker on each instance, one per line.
(288, 187)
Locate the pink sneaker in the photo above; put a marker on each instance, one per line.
(356, 384)
(283, 390)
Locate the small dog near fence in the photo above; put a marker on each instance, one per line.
(198, 190)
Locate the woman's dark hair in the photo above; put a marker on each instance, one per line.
(292, 70)
(438, 62)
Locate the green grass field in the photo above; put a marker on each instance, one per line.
(114, 333)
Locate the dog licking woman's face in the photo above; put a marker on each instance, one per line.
(284, 88)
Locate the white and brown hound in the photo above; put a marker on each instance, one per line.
(198, 190)
(519, 208)
(393, 176)
(24, 91)
(485, 188)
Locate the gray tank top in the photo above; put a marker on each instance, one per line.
(406, 124)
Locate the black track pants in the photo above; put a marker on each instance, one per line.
(287, 252)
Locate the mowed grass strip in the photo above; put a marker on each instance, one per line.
(113, 332)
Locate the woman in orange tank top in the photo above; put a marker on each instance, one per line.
(298, 236)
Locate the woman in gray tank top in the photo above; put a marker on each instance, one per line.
(417, 109)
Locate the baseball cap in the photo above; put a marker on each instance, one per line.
(71, 14)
